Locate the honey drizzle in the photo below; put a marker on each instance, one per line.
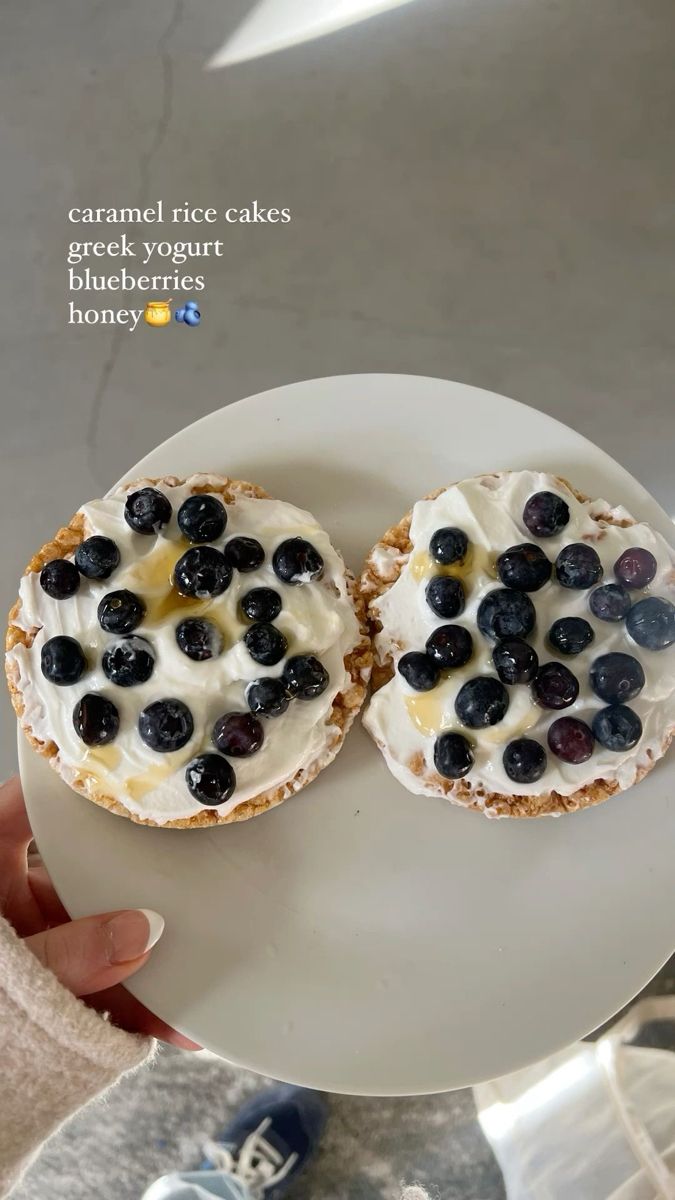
(427, 711)
(476, 559)
(108, 757)
(154, 572)
(138, 786)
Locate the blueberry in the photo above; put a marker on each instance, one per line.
(96, 720)
(179, 314)
(617, 727)
(97, 557)
(296, 561)
(305, 677)
(651, 623)
(635, 568)
(445, 596)
(617, 677)
(571, 740)
(481, 701)
(128, 661)
(210, 778)
(147, 510)
(62, 660)
(525, 568)
(453, 756)
(59, 579)
(268, 697)
(261, 604)
(244, 553)
(545, 514)
(419, 671)
(238, 734)
(570, 635)
(504, 613)
(555, 686)
(515, 661)
(202, 572)
(578, 566)
(202, 518)
(266, 644)
(524, 760)
(191, 304)
(199, 639)
(120, 612)
(610, 602)
(192, 316)
(166, 725)
(450, 646)
(448, 545)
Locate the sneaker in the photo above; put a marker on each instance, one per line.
(270, 1141)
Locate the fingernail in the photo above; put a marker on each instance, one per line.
(133, 933)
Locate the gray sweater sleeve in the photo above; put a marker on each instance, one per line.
(55, 1055)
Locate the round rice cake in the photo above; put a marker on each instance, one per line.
(523, 634)
(188, 652)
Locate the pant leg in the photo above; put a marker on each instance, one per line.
(197, 1185)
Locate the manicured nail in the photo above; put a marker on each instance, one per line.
(156, 923)
(133, 933)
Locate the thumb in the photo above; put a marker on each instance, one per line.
(97, 952)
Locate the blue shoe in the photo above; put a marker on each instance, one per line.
(270, 1141)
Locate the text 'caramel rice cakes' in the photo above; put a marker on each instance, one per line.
(521, 636)
(188, 652)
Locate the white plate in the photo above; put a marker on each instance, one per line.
(358, 938)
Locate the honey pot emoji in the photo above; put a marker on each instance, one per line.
(157, 312)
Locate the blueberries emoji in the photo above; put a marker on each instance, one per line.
(189, 313)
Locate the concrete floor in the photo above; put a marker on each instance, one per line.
(155, 1122)
(480, 190)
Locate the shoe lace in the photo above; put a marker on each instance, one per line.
(257, 1164)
